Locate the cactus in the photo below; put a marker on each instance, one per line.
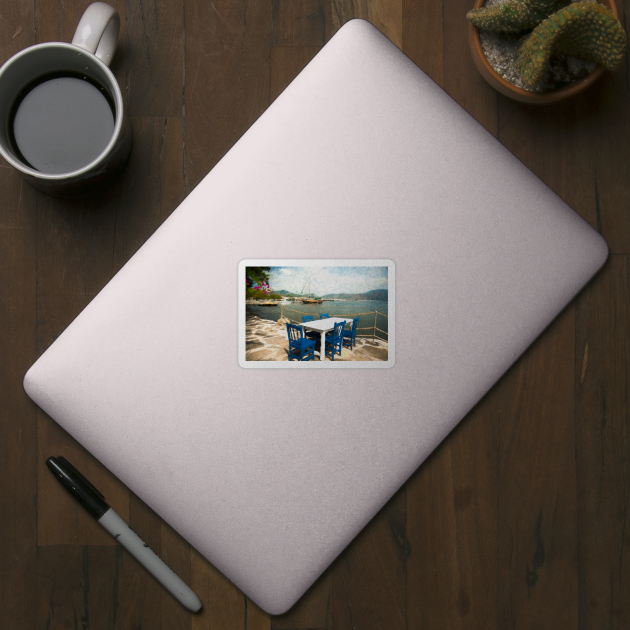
(513, 16)
(584, 29)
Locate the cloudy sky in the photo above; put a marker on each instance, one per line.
(326, 280)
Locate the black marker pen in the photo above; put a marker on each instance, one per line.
(94, 502)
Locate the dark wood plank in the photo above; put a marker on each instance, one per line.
(369, 577)
(152, 185)
(461, 78)
(558, 147)
(171, 160)
(537, 510)
(154, 57)
(386, 15)
(74, 248)
(224, 606)
(300, 23)
(452, 527)
(255, 618)
(576, 148)
(422, 36)
(76, 587)
(18, 423)
(570, 146)
(57, 23)
(17, 28)
(18, 416)
(226, 78)
(603, 443)
(608, 136)
(285, 64)
(313, 609)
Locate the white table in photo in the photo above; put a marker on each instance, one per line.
(323, 326)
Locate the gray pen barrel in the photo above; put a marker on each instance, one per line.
(149, 559)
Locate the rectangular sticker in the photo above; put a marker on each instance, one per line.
(316, 313)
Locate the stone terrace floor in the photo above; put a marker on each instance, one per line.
(266, 340)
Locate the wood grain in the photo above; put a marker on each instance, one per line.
(226, 78)
(154, 58)
(76, 587)
(422, 36)
(537, 509)
(302, 23)
(151, 187)
(285, 64)
(602, 380)
(313, 609)
(386, 15)
(369, 577)
(452, 516)
(609, 134)
(18, 416)
(224, 606)
(461, 79)
(574, 150)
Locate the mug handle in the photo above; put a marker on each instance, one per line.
(98, 30)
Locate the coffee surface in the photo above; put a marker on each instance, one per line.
(62, 124)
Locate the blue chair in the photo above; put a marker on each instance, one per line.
(310, 334)
(334, 341)
(351, 335)
(324, 316)
(298, 343)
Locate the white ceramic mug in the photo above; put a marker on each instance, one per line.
(87, 58)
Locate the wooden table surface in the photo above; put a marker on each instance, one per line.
(518, 520)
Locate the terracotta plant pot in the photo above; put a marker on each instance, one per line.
(519, 94)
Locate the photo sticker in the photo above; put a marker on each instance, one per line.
(316, 313)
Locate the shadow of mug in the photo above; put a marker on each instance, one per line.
(62, 115)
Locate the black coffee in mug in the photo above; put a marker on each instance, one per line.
(61, 122)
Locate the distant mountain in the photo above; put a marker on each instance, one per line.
(376, 294)
(287, 293)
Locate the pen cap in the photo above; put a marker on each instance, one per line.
(78, 486)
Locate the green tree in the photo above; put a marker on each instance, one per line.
(257, 275)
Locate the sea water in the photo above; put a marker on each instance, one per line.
(363, 308)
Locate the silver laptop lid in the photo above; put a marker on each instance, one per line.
(364, 158)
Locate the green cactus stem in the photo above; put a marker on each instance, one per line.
(584, 29)
(513, 16)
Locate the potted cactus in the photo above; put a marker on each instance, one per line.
(558, 49)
